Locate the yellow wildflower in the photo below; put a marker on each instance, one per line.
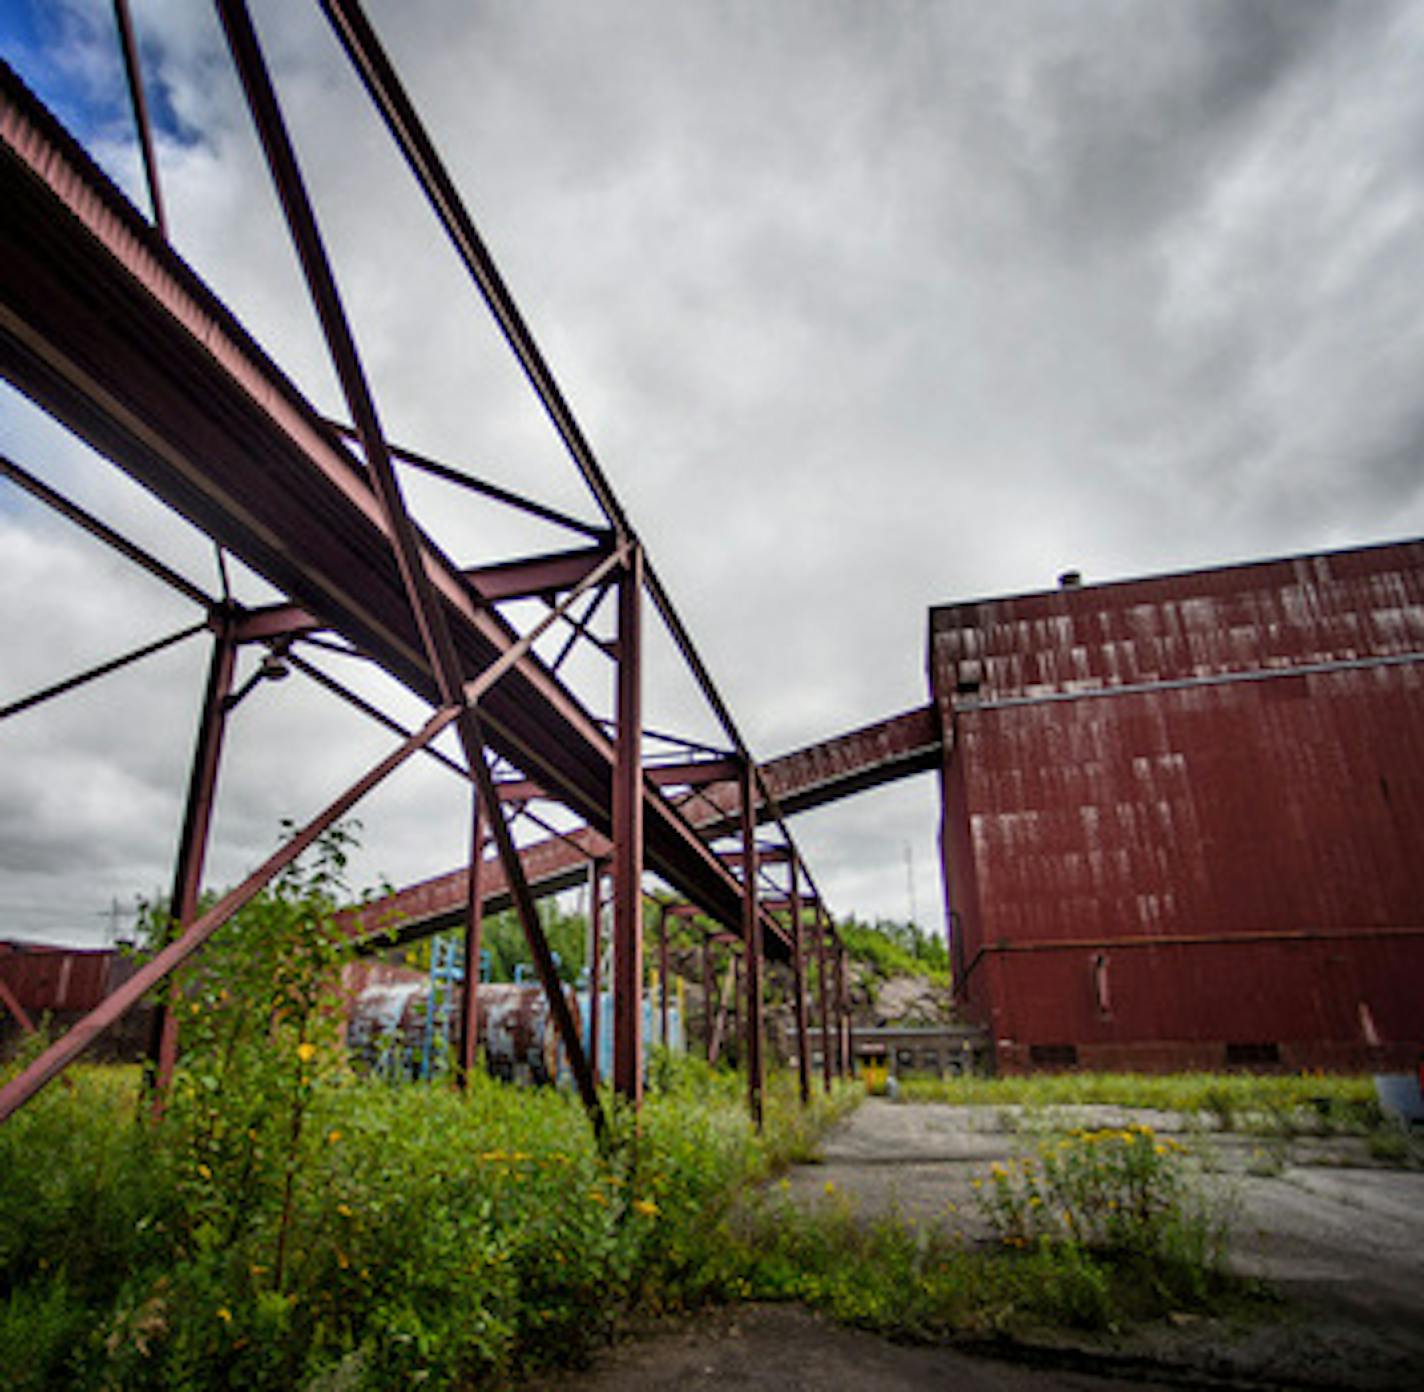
(344, 1210)
(224, 1314)
(205, 1172)
(830, 1186)
(646, 1207)
(333, 1136)
(306, 1051)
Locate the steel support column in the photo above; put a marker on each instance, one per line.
(474, 926)
(595, 966)
(628, 839)
(823, 992)
(193, 845)
(709, 992)
(662, 976)
(751, 937)
(798, 985)
(843, 1039)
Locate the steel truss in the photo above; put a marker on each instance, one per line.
(111, 333)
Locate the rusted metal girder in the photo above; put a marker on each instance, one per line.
(193, 845)
(48, 693)
(824, 995)
(752, 948)
(388, 93)
(595, 964)
(474, 924)
(662, 975)
(628, 840)
(798, 986)
(843, 1039)
(101, 531)
(128, 44)
(430, 615)
(108, 331)
(424, 464)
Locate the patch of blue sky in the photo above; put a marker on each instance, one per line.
(69, 55)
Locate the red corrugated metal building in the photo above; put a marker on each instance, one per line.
(62, 984)
(1184, 815)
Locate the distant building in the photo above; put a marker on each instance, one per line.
(1184, 815)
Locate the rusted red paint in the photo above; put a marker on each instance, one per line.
(60, 980)
(1212, 781)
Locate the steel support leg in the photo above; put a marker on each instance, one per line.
(709, 1003)
(751, 937)
(474, 931)
(662, 977)
(628, 840)
(842, 1015)
(192, 847)
(823, 995)
(798, 985)
(595, 967)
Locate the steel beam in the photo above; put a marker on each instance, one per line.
(128, 44)
(662, 976)
(824, 994)
(798, 985)
(389, 95)
(474, 925)
(37, 698)
(426, 465)
(101, 531)
(751, 937)
(595, 964)
(628, 839)
(193, 845)
(842, 1015)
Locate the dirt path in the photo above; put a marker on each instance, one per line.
(783, 1348)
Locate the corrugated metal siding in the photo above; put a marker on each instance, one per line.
(61, 980)
(1226, 753)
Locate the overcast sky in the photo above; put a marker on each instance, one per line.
(864, 307)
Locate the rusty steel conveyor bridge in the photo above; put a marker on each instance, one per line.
(106, 328)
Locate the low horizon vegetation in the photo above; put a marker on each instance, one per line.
(1272, 1103)
(290, 1223)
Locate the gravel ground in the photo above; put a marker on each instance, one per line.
(1338, 1236)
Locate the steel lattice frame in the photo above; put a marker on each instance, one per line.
(105, 328)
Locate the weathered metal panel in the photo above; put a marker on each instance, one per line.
(60, 980)
(1217, 779)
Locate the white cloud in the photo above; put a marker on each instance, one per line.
(864, 308)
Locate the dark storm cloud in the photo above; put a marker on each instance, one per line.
(865, 307)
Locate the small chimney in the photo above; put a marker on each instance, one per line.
(1070, 580)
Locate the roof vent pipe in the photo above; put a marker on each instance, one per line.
(1070, 580)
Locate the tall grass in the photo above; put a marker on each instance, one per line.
(427, 1236)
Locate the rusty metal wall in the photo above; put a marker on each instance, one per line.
(59, 979)
(1184, 813)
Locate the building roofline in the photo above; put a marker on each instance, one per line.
(1183, 574)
